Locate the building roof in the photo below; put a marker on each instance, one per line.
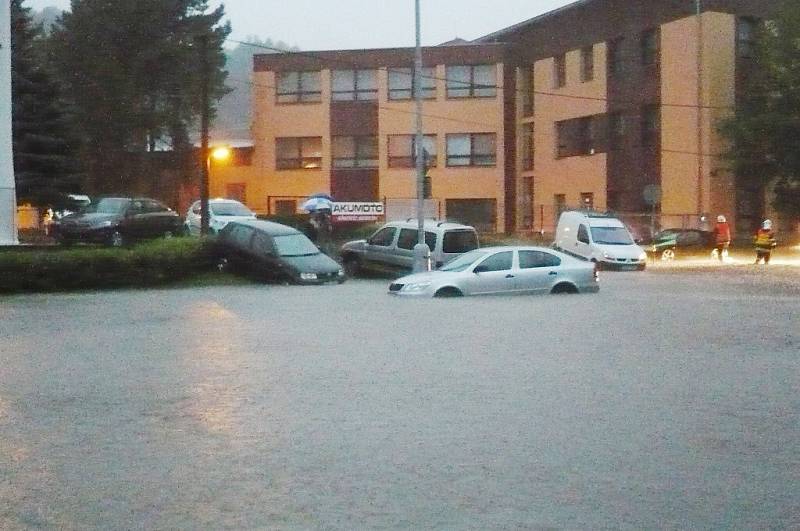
(496, 36)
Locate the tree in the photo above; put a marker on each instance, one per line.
(764, 134)
(44, 148)
(133, 71)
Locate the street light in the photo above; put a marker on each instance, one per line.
(216, 154)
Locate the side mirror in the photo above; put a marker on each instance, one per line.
(480, 269)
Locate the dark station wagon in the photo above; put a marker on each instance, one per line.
(275, 252)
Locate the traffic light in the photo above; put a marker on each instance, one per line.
(426, 187)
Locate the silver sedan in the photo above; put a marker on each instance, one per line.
(493, 270)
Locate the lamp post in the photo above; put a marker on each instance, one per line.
(421, 251)
(8, 192)
(215, 154)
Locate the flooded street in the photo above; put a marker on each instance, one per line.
(668, 400)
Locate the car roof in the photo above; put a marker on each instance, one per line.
(429, 224)
(270, 227)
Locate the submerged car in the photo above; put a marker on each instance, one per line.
(118, 220)
(221, 212)
(669, 243)
(275, 252)
(496, 270)
(391, 247)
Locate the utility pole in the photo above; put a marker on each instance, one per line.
(421, 251)
(205, 159)
(700, 156)
(8, 191)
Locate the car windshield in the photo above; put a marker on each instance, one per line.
(611, 236)
(229, 209)
(460, 263)
(295, 245)
(110, 206)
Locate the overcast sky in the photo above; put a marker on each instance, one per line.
(345, 24)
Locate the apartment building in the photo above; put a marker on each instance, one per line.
(343, 122)
(608, 104)
(619, 102)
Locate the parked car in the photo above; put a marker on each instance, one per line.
(275, 252)
(391, 247)
(118, 220)
(598, 238)
(669, 243)
(494, 270)
(221, 212)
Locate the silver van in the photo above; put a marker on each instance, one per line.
(391, 247)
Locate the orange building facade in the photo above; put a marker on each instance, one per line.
(599, 104)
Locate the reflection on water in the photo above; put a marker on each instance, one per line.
(210, 356)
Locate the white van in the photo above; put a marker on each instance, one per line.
(599, 238)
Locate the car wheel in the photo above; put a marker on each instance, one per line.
(116, 239)
(564, 288)
(352, 266)
(668, 255)
(449, 292)
(168, 235)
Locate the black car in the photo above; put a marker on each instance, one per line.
(118, 220)
(275, 252)
(669, 243)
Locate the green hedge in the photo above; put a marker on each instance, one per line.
(76, 268)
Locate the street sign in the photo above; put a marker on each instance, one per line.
(358, 211)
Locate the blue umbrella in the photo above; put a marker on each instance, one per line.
(314, 204)
(323, 195)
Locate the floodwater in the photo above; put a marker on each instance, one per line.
(668, 400)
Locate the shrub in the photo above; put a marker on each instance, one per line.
(63, 269)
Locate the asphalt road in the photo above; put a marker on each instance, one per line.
(668, 400)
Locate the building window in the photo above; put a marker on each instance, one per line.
(560, 70)
(301, 153)
(528, 90)
(354, 85)
(615, 63)
(355, 152)
(587, 63)
(650, 125)
(746, 37)
(402, 150)
(285, 207)
(475, 149)
(649, 47)
(616, 129)
(527, 147)
(576, 137)
(559, 203)
(298, 87)
(401, 83)
(477, 81)
(480, 213)
(237, 191)
(587, 200)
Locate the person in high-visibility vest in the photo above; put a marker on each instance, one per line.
(722, 237)
(764, 242)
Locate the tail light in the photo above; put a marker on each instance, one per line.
(596, 273)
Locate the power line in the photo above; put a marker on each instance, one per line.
(356, 66)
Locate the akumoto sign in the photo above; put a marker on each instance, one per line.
(357, 211)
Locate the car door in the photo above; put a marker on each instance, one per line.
(265, 261)
(494, 274)
(159, 218)
(379, 246)
(406, 240)
(133, 226)
(537, 271)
